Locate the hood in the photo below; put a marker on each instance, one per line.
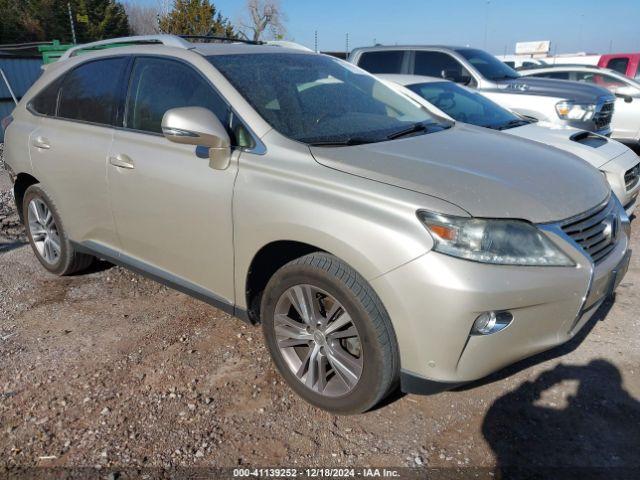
(577, 91)
(561, 137)
(486, 173)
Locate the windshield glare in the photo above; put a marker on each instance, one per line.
(489, 66)
(320, 99)
(464, 105)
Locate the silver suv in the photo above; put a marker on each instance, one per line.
(582, 106)
(377, 244)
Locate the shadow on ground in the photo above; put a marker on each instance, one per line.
(595, 433)
(8, 246)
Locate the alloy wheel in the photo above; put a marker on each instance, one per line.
(44, 231)
(318, 340)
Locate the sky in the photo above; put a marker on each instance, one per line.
(495, 25)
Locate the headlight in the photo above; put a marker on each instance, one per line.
(575, 111)
(502, 242)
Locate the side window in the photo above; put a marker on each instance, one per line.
(605, 81)
(386, 61)
(556, 75)
(46, 102)
(618, 64)
(90, 92)
(158, 85)
(510, 63)
(441, 65)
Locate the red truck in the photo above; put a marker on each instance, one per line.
(625, 63)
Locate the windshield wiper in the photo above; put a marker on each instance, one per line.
(341, 142)
(415, 128)
(516, 122)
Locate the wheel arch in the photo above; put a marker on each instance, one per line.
(22, 183)
(264, 264)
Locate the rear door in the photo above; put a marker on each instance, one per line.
(70, 146)
(172, 210)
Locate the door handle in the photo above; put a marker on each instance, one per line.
(41, 142)
(122, 161)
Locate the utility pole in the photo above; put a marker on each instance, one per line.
(316, 42)
(73, 27)
(486, 23)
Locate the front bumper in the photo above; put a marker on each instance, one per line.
(434, 300)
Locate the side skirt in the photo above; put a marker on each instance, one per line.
(161, 276)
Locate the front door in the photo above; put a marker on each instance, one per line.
(172, 210)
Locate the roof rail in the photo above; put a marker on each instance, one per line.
(221, 39)
(164, 39)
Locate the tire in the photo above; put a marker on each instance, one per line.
(42, 220)
(371, 355)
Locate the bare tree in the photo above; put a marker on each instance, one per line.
(263, 16)
(143, 19)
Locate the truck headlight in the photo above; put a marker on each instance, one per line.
(568, 110)
(501, 242)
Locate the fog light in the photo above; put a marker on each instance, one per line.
(491, 322)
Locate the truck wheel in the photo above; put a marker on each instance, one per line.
(329, 335)
(47, 236)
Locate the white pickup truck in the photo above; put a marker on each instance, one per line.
(582, 106)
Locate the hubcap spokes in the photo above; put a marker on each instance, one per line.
(44, 231)
(318, 340)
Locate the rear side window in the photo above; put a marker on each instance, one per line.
(90, 92)
(619, 65)
(556, 75)
(46, 102)
(389, 61)
(158, 85)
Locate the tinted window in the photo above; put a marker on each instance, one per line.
(466, 106)
(158, 85)
(510, 63)
(619, 65)
(441, 65)
(488, 65)
(382, 62)
(606, 81)
(90, 91)
(319, 99)
(556, 75)
(46, 101)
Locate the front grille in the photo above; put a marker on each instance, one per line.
(631, 177)
(602, 118)
(595, 231)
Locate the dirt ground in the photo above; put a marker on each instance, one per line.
(110, 370)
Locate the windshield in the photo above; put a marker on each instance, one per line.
(489, 66)
(467, 106)
(318, 99)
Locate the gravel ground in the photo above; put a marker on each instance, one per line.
(110, 370)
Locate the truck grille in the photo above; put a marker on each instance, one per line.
(595, 231)
(631, 177)
(602, 118)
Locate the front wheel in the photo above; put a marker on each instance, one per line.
(329, 335)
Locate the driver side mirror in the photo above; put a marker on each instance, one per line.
(199, 126)
(628, 93)
(455, 76)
